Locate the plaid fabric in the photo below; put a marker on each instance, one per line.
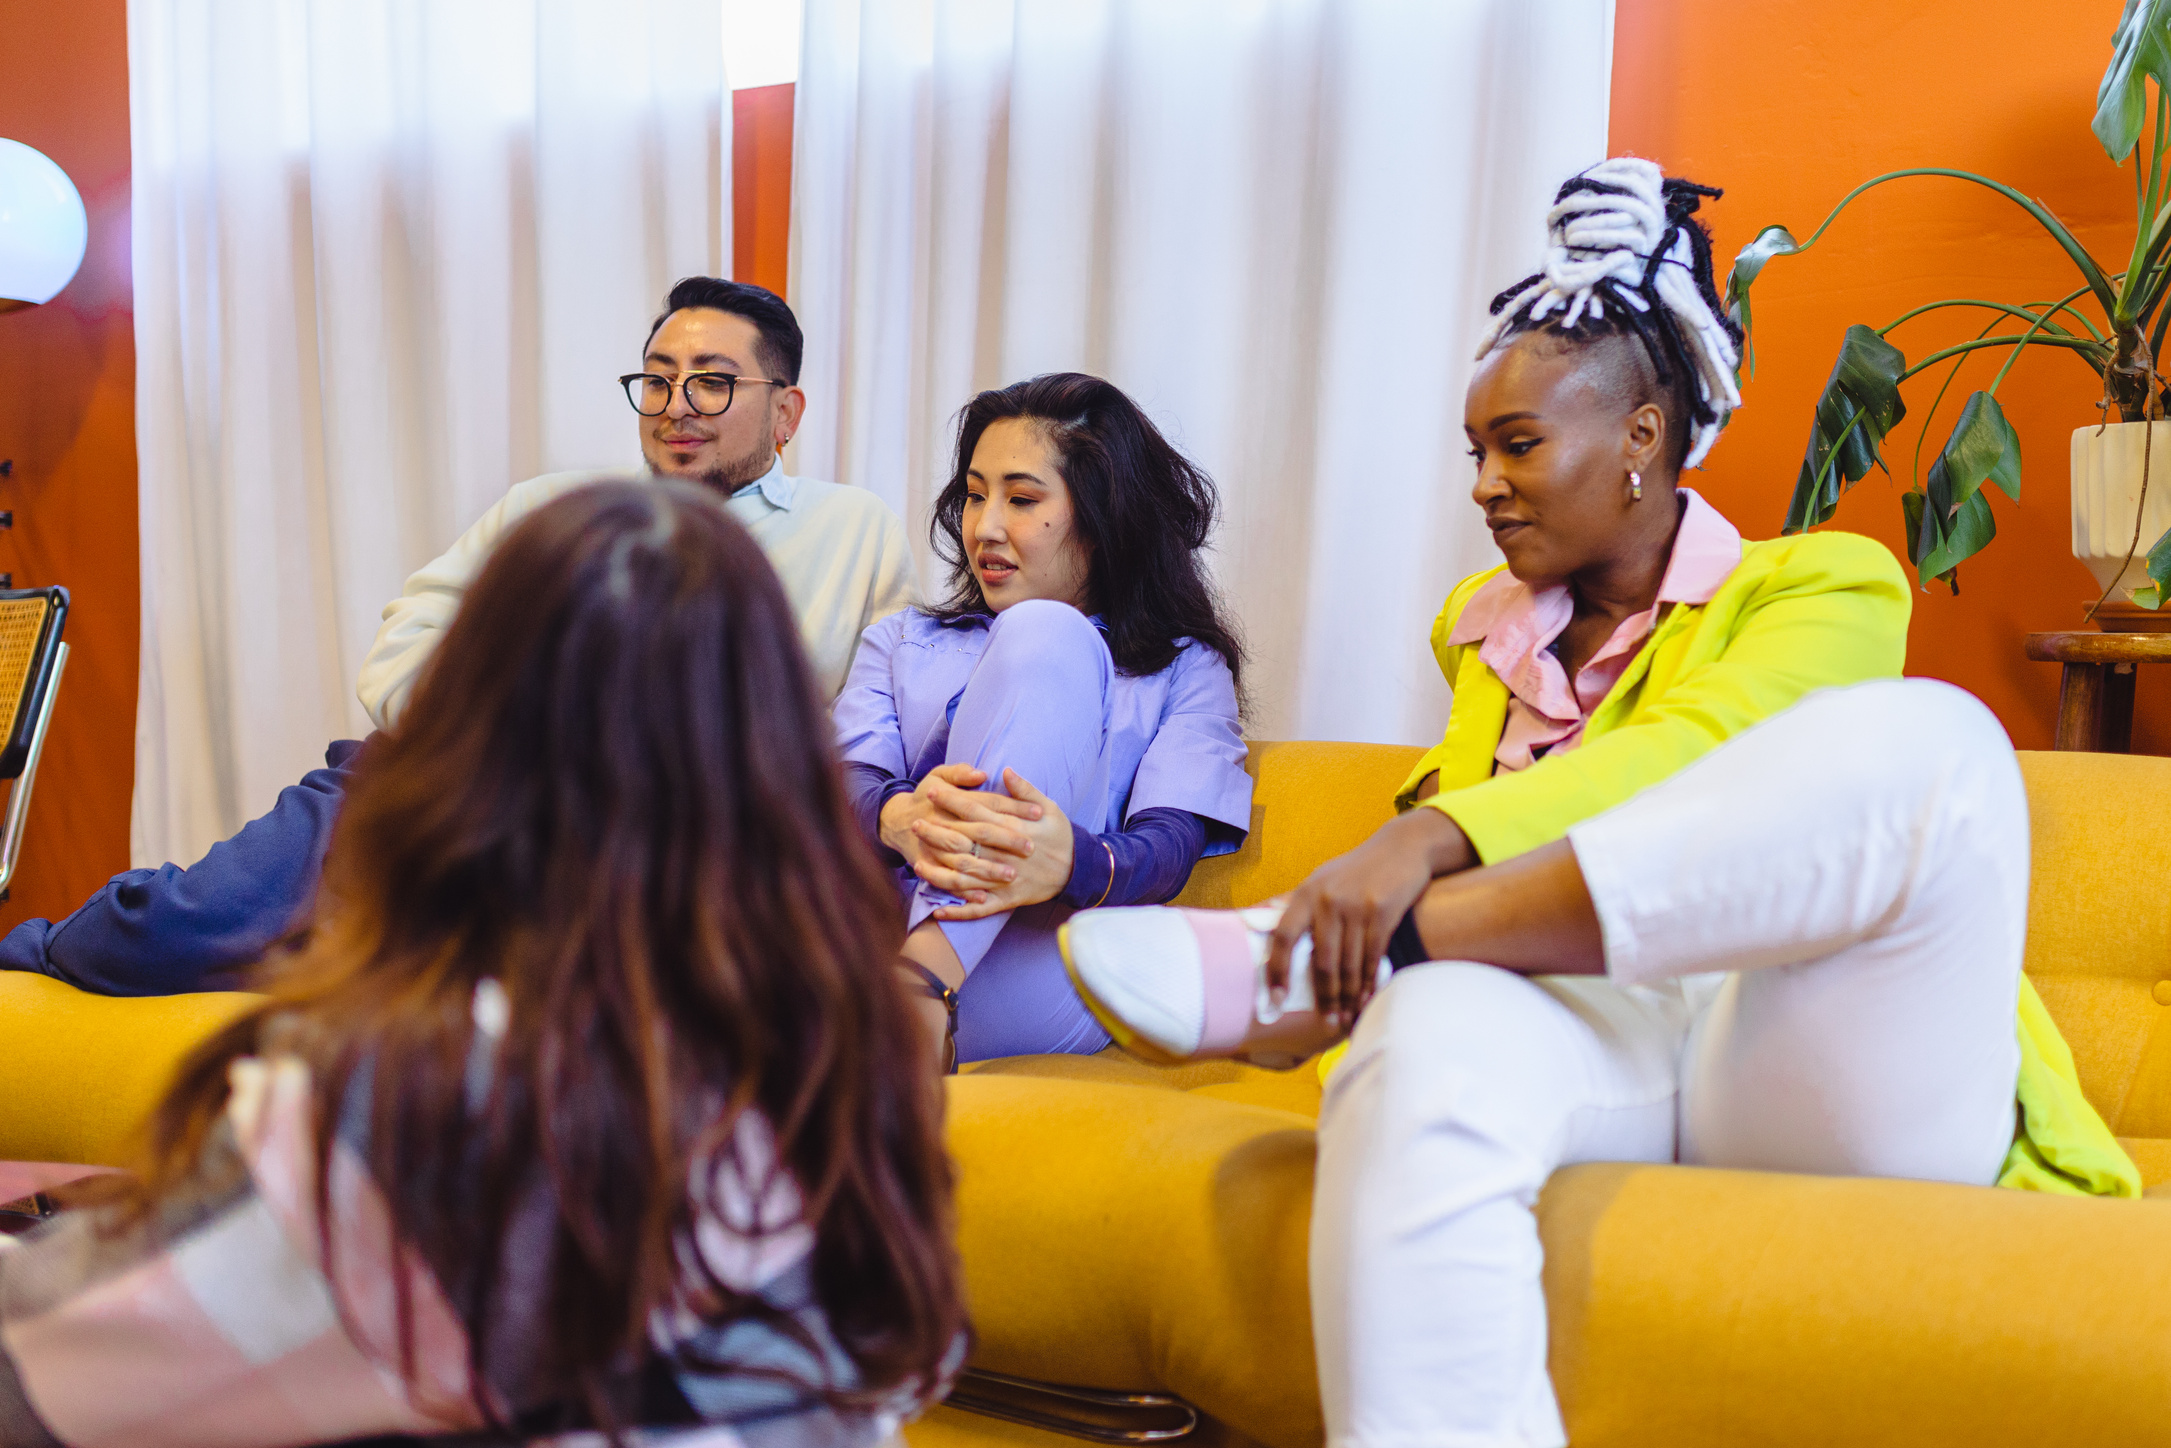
(215, 1323)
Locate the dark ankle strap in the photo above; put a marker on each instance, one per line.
(948, 996)
(935, 987)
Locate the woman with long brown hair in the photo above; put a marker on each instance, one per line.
(625, 1119)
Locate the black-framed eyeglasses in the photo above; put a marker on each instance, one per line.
(708, 393)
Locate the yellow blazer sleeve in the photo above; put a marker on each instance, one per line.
(1475, 702)
(1807, 613)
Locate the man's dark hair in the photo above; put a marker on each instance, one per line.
(1141, 509)
(781, 345)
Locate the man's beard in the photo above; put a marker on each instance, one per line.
(729, 477)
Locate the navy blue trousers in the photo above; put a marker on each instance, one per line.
(172, 930)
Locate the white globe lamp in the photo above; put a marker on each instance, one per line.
(43, 228)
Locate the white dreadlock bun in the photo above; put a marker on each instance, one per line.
(1602, 241)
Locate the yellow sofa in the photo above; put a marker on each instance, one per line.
(1133, 1227)
(1127, 1226)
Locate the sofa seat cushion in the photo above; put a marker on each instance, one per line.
(1123, 1229)
(1119, 1233)
(1694, 1307)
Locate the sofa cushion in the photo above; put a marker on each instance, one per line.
(1121, 1233)
(1706, 1309)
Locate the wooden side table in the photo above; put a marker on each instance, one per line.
(2095, 694)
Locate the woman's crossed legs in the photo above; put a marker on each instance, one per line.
(1037, 703)
(1812, 942)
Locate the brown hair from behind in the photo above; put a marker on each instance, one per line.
(615, 793)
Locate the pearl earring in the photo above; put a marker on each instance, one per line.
(1635, 487)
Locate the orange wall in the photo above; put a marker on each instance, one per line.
(67, 418)
(761, 184)
(1790, 103)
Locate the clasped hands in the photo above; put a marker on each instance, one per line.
(1023, 838)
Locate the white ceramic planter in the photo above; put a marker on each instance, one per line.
(2106, 490)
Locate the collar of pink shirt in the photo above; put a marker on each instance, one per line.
(1515, 625)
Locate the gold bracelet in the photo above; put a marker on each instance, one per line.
(1111, 875)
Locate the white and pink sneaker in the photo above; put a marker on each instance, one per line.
(1172, 984)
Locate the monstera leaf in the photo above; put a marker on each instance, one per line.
(1861, 403)
(2140, 52)
(1949, 520)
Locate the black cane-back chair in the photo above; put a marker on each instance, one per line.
(31, 660)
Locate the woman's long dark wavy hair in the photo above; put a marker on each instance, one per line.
(1141, 508)
(614, 792)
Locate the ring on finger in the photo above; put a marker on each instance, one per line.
(976, 849)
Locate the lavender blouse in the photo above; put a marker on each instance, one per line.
(1174, 740)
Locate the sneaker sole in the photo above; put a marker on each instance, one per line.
(1117, 1028)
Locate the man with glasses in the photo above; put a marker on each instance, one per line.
(717, 395)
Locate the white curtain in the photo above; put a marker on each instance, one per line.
(1275, 223)
(389, 259)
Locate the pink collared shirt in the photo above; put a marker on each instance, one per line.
(1518, 626)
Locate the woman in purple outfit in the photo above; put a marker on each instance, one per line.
(1060, 733)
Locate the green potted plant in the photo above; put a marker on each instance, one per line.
(2113, 323)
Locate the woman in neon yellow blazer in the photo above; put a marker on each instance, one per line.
(1698, 876)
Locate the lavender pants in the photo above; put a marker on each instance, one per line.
(1038, 703)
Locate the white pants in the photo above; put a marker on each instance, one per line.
(1813, 943)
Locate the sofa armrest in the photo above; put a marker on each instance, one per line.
(79, 1073)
